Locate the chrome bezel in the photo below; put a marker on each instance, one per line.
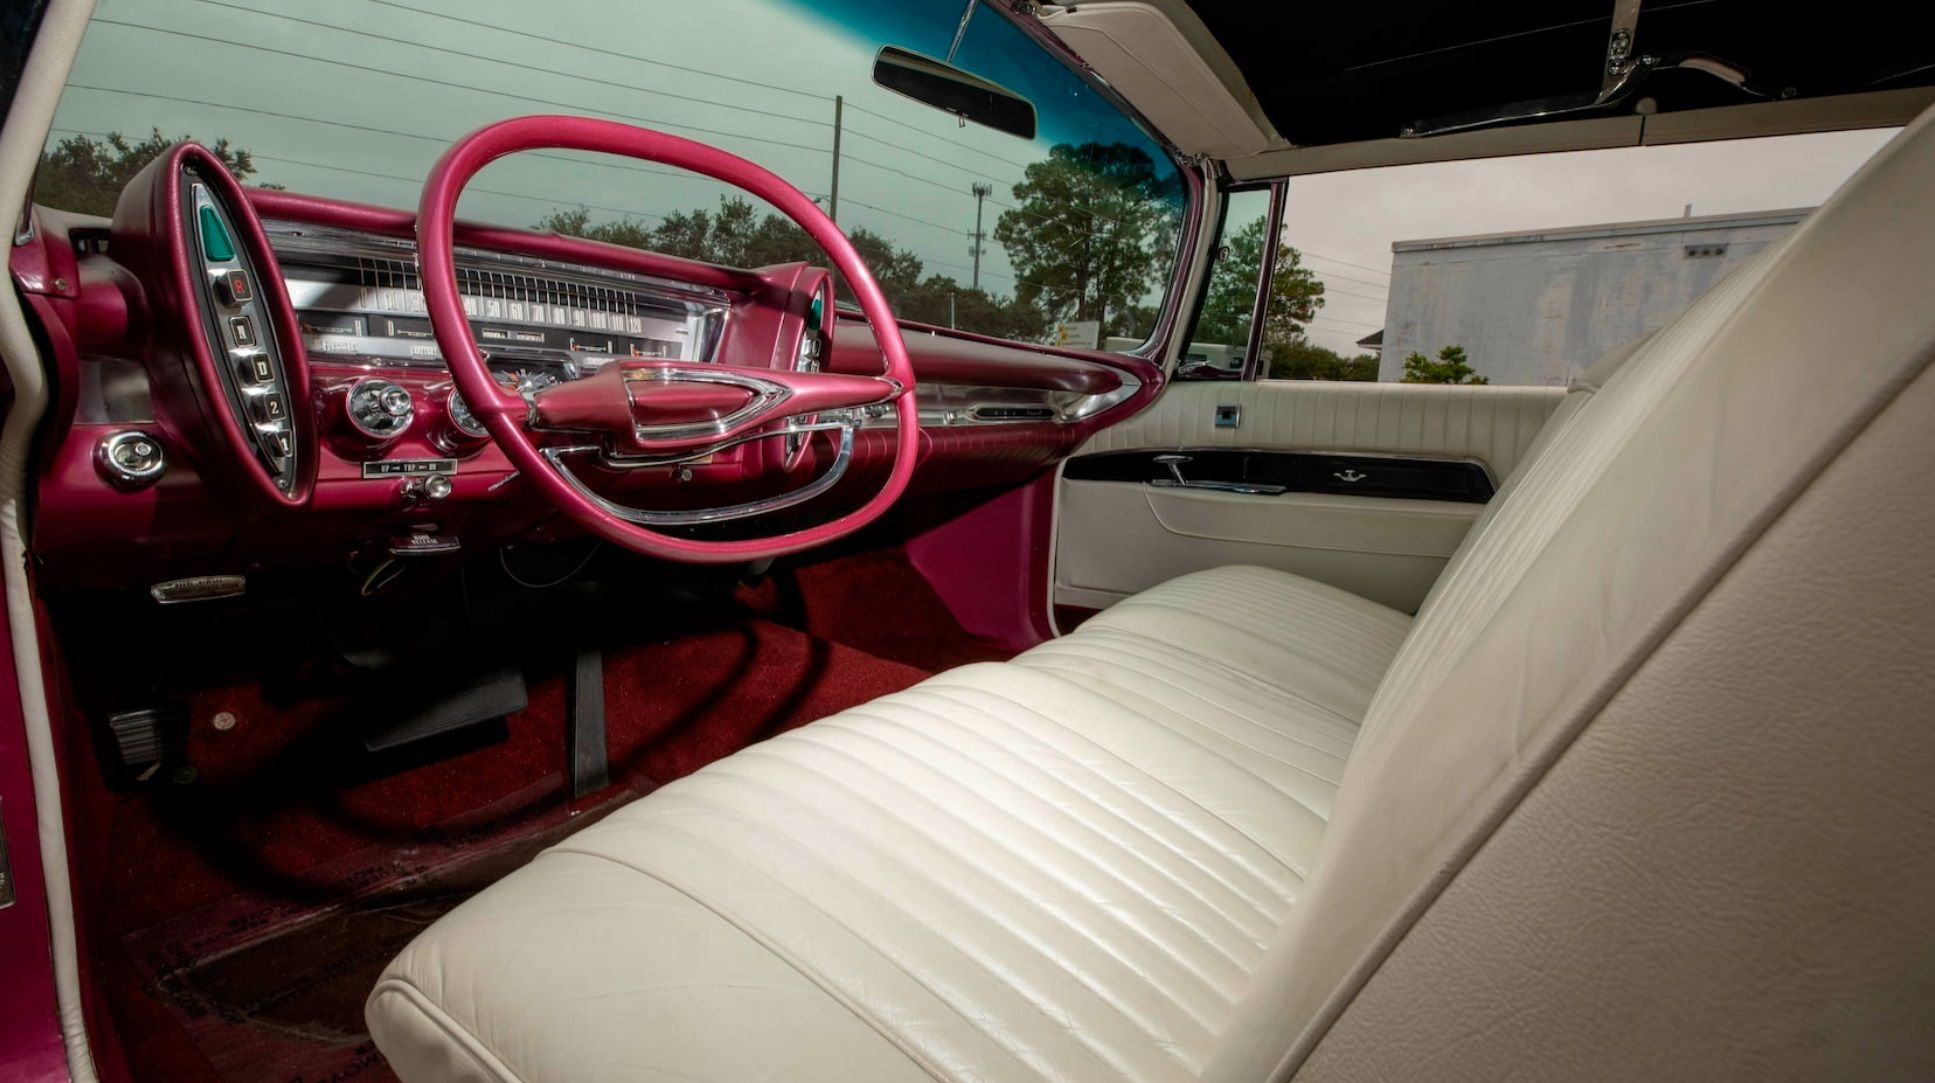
(119, 474)
(404, 421)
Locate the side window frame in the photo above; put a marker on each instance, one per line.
(1260, 298)
(1265, 279)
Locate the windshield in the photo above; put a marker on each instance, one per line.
(1069, 237)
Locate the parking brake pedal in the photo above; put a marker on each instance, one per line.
(589, 758)
(488, 696)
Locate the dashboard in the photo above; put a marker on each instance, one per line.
(251, 375)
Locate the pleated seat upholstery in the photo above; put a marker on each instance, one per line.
(1066, 866)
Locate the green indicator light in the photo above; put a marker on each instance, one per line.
(816, 314)
(215, 243)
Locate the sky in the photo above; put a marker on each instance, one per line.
(356, 98)
(1345, 223)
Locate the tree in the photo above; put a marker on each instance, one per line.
(1302, 359)
(737, 235)
(87, 175)
(1086, 236)
(944, 302)
(1295, 294)
(1450, 368)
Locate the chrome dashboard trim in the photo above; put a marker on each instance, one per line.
(842, 459)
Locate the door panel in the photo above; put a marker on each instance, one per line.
(1426, 457)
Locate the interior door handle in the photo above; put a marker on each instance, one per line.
(1176, 480)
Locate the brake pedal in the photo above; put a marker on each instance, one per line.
(149, 737)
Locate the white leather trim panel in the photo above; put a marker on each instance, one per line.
(1115, 538)
(1118, 538)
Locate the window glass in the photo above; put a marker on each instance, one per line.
(1526, 270)
(1068, 237)
(1221, 340)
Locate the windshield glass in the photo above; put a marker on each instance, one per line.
(1069, 237)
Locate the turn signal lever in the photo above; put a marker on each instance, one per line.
(1175, 460)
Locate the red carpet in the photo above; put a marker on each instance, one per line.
(281, 822)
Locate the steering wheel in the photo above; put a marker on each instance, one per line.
(661, 413)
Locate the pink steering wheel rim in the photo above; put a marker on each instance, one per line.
(503, 414)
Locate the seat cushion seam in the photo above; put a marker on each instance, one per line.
(1289, 866)
(1141, 831)
(932, 1071)
(1159, 658)
(1043, 870)
(1156, 811)
(456, 1034)
(886, 957)
(996, 922)
(1240, 716)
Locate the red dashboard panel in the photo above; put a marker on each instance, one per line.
(106, 326)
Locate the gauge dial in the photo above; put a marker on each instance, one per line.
(460, 415)
(527, 379)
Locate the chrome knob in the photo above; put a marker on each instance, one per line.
(379, 409)
(437, 487)
(130, 459)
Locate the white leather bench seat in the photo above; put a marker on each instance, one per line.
(1643, 792)
(1066, 866)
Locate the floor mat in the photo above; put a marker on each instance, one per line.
(271, 989)
(254, 906)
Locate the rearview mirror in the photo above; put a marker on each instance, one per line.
(964, 94)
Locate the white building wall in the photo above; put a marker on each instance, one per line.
(1538, 308)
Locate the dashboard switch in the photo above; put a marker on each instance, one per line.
(279, 443)
(233, 288)
(269, 406)
(242, 330)
(256, 369)
(216, 245)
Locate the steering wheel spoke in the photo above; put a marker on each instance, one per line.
(658, 408)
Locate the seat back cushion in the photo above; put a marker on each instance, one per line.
(1640, 788)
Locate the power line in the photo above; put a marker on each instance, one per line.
(435, 139)
(686, 68)
(563, 104)
(534, 36)
(439, 140)
(412, 181)
(918, 154)
(1348, 278)
(1327, 259)
(507, 63)
(549, 200)
(918, 130)
(1339, 319)
(458, 86)
(1330, 289)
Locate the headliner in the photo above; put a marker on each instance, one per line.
(1334, 73)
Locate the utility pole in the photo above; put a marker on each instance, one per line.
(981, 192)
(833, 193)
